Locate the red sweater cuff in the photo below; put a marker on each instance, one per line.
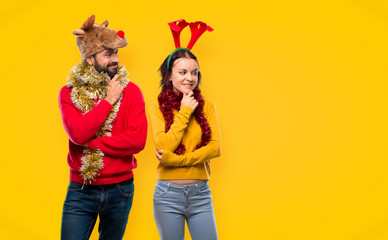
(93, 144)
(105, 103)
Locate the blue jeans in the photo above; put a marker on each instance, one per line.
(175, 204)
(82, 206)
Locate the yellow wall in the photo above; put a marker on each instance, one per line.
(301, 94)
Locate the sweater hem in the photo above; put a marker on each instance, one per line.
(76, 177)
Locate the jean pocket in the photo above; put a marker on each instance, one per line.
(126, 190)
(73, 186)
(205, 190)
(160, 191)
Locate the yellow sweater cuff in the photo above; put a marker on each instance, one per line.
(185, 109)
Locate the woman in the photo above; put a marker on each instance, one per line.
(186, 135)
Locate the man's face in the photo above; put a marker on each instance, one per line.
(105, 61)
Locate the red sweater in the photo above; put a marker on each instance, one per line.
(129, 132)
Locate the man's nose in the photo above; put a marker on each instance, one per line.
(115, 57)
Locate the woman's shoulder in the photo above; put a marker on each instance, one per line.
(154, 104)
(154, 107)
(208, 105)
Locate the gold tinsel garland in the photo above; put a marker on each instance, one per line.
(86, 87)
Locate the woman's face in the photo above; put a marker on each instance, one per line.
(184, 75)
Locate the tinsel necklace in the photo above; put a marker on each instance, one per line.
(169, 100)
(88, 88)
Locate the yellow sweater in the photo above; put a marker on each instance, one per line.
(194, 163)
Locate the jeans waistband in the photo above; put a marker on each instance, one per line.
(129, 181)
(196, 186)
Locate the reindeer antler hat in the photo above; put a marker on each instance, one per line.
(93, 38)
(196, 28)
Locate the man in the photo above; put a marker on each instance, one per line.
(103, 115)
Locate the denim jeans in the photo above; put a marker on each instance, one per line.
(175, 204)
(84, 203)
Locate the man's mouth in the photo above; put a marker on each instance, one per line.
(113, 65)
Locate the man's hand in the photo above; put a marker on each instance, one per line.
(189, 100)
(159, 154)
(115, 90)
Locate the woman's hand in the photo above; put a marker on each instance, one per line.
(189, 100)
(159, 154)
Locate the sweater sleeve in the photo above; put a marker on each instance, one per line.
(211, 150)
(169, 140)
(133, 138)
(81, 127)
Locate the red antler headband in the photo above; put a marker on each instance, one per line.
(197, 29)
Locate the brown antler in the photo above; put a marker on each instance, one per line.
(88, 23)
(104, 24)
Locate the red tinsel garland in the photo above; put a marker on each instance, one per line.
(170, 100)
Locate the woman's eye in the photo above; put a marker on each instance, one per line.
(183, 73)
(195, 73)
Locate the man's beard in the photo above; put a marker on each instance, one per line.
(106, 70)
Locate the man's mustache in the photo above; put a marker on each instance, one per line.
(112, 64)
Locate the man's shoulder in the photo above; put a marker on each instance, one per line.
(132, 93)
(65, 88)
(64, 91)
(132, 87)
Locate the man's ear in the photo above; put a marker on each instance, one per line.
(90, 61)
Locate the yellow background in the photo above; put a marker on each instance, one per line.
(301, 94)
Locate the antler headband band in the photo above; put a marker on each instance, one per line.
(196, 28)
